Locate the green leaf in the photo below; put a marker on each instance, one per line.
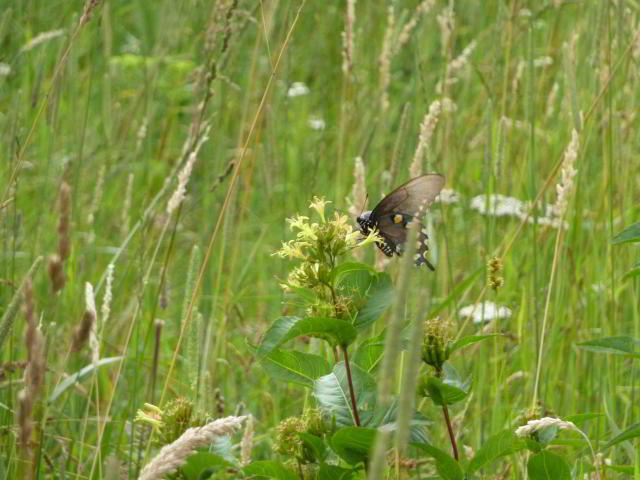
(379, 297)
(332, 472)
(451, 389)
(315, 445)
(501, 444)
(386, 418)
(337, 274)
(457, 291)
(222, 447)
(446, 466)
(296, 367)
(627, 469)
(270, 469)
(332, 394)
(548, 466)
(82, 373)
(369, 353)
(335, 331)
(629, 234)
(305, 293)
(442, 393)
(622, 345)
(202, 464)
(632, 432)
(464, 341)
(579, 418)
(353, 444)
(634, 272)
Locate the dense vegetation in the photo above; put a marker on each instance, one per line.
(150, 281)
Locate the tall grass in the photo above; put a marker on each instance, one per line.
(108, 114)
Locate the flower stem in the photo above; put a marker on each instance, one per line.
(451, 435)
(352, 393)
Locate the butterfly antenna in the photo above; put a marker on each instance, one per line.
(366, 199)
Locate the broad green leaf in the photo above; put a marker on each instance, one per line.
(379, 297)
(353, 444)
(442, 393)
(448, 390)
(296, 367)
(548, 466)
(457, 291)
(634, 272)
(343, 269)
(222, 447)
(82, 373)
(386, 419)
(582, 417)
(629, 234)
(332, 472)
(332, 395)
(315, 445)
(632, 432)
(464, 341)
(626, 469)
(270, 469)
(622, 345)
(501, 444)
(369, 353)
(305, 293)
(335, 331)
(446, 465)
(201, 464)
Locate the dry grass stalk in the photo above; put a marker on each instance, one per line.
(184, 175)
(105, 309)
(422, 9)
(35, 368)
(87, 325)
(97, 195)
(89, 7)
(246, 445)
(56, 273)
(385, 60)
(358, 190)
(427, 127)
(126, 207)
(174, 455)
(64, 222)
(565, 186)
(347, 38)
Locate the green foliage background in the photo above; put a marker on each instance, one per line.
(118, 97)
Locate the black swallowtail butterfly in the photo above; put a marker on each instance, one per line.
(395, 211)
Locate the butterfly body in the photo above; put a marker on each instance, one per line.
(395, 212)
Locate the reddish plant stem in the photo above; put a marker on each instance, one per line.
(451, 435)
(351, 391)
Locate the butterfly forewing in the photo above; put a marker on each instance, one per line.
(398, 209)
(410, 198)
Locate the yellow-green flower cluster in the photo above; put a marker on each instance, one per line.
(171, 422)
(435, 350)
(287, 439)
(319, 244)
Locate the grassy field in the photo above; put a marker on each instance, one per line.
(151, 154)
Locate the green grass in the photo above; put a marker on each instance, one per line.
(119, 96)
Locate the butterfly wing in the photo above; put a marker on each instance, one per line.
(393, 214)
(411, 198)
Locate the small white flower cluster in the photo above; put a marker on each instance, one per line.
(297, 89)
(533, 426)
(484, 312)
